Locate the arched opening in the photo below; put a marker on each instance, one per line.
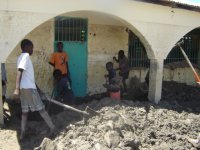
(179, 80)
(104, 35)
(175, 60)
(138, 57)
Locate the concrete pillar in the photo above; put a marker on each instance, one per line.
(1, 101)
(155, 80)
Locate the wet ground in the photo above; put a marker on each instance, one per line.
(132, 123)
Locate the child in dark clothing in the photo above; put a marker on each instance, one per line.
(65, 93)
(123, 68)
(111, 71)
(113, 84)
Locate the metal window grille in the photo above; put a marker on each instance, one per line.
(137, 53)
(70, 29)
(138, 56)
(191, 48)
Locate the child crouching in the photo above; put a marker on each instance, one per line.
(113, 88)
(112, 82)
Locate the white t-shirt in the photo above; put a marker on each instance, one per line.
(28, 79)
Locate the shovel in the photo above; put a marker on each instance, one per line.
(89, 112)
(188, 61)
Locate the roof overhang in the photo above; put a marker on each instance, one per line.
(174, 4)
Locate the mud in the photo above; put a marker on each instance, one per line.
(126, 124)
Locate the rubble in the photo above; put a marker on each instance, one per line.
(128, 125)
(125, 124)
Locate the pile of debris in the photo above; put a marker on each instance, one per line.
(127, 125)
(123, 124)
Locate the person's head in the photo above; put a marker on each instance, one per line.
(57, 74)
(27, 46)
(121, 54)
(109, 65)
(60, 46)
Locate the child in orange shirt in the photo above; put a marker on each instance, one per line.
(59, 59)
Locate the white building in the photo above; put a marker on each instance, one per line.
(146, 30)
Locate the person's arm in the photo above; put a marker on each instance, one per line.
(117, 60)
(18, 80)
(51, 64)
(106, 75)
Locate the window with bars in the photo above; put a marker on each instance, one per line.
(138, 56)
(137, 53)
(191, 48)
(70, 29)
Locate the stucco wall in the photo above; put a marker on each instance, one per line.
(104, 42)
(19, 17)
(181, 75)
(42, 38)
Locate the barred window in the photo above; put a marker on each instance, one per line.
(70, 29)
(137, 53)
(191, 48)
(138, 56)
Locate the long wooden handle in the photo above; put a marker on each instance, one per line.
(66, 106)
(188, 61)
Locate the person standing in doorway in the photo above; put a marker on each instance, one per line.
(26, 88)
(59, 60)
(65, 93)
(123, 68)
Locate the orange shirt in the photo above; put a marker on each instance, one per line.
(59, 60)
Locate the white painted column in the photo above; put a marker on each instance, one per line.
(155, 80)
(1, 101)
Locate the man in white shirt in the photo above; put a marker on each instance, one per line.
(26, 88)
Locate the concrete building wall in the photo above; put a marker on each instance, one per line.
(180, 75)
(158, 27)
(104, 42)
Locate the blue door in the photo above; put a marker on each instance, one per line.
(73, 33)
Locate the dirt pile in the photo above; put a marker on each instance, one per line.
(127, 125)
(181, 96)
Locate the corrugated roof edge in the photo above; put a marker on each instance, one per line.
(186, 2)
(173, 4)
